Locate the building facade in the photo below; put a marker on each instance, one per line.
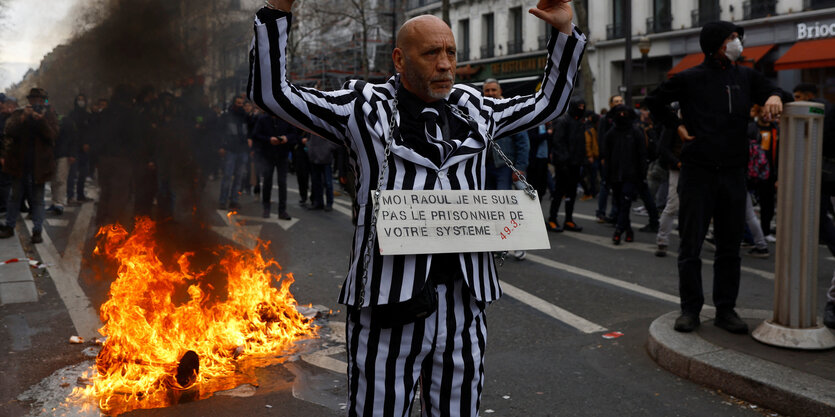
(791, 41)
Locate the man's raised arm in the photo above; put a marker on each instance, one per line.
(323, 113)
(565, 50)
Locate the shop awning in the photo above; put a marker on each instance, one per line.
(810, 54)
(753, 54)
(750, 56)
(689, 61)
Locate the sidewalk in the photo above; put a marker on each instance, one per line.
(17, 285)
(790, 382)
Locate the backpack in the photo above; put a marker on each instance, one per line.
(758, 168)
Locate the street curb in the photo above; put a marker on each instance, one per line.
(777, 387)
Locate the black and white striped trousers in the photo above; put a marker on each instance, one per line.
(444, 353)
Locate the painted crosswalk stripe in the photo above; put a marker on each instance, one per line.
(549, 309)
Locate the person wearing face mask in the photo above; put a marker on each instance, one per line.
(568, 153)
(715, 98)
(625, 166)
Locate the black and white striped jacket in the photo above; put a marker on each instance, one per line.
(358, 117)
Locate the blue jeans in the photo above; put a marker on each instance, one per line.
(498, 178)
(234, 167)
(36, 202)
(321, 177)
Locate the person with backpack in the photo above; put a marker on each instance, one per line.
(761, 137)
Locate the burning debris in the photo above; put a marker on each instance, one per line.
(171, 335)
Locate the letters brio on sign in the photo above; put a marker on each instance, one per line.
(815, 31)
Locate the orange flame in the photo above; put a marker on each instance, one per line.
(148, 331)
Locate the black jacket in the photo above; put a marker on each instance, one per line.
(267, 127)
(715, 100)
(568, 144)
(235, 131)
(625, 155)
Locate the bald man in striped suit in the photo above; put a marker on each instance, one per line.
(424, 132)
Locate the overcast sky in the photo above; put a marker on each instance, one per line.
(31, 28)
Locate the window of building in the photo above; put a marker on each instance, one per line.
(464, 40)
(488, 34)
(662, 17)
(755, 9)
(514, 42)
(708, 11)
(615, 29)
(817, 4)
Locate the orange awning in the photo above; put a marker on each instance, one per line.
(689, 61)
(752, 55)
(818, 53)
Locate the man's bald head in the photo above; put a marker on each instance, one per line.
(417, 26)
(425, 57)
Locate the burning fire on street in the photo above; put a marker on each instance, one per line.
(171, 335)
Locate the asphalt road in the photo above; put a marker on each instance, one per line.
(546, 353)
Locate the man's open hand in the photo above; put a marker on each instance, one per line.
(556, 13)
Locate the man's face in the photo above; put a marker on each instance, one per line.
(426, 59)
(615, 101)
(803, 96)
(730, 38)
(492, 90)
(34, 101)
(238, 103)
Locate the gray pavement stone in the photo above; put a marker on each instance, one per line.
(16, 282)
(18, 292)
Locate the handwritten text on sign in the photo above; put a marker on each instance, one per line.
(452, 221)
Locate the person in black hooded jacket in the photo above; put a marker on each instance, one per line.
(715, 99)
(625, 162)
(568, 153)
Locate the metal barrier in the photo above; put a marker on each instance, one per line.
(795, 321)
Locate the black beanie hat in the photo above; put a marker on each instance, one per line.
(714, 34)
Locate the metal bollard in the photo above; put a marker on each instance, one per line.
(795, 321)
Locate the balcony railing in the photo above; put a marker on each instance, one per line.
(817, 4)
(514, 47)
(660, 23)
(700, 17)
(463, 54)
(758, 8)
(487, 51)
(614, 31)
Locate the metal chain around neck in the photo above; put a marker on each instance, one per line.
(529, 190)
(372, 233)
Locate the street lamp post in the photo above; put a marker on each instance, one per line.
(644, 45)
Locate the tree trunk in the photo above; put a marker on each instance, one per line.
(585, 68)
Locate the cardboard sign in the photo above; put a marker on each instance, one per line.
(453, 221)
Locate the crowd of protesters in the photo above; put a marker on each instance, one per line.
(151, 154)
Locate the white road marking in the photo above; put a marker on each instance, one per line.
(285, 224)
(65, 270)
(602, 278)
(57, 222)
(607, 243)
(549, 309)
